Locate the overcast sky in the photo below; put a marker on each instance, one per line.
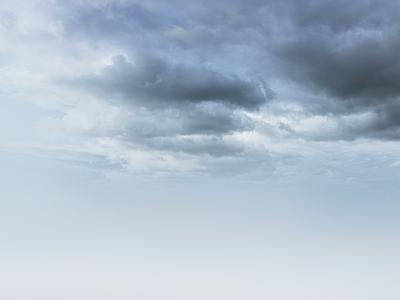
(199, 149)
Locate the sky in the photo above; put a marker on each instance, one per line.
(192, 150)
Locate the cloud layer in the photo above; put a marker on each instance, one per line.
(206, 82)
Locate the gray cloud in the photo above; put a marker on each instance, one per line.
(153, 80)
(346, 49)
(170, 103)
(190, 77)
(366, 70)
(346, 52)
(384, 125)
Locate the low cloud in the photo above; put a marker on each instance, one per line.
(155, 83)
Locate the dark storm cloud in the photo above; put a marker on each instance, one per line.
(385, 123)
(365, 72)
(347, 49)
(154, 83)
(182, 99)
(348, 52)
(337, 15)
(202, 52)
(184, 108)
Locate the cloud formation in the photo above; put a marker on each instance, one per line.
(351, 54)
(217, 80)
(152, 82)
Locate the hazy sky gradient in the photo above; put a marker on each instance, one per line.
(199, 150)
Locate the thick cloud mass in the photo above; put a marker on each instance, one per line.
(348, 51)
(208, 79)
(175, 108)
(152, 82)
(348, 57)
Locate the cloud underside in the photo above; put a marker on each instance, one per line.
(219, 80)
(152, 83)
